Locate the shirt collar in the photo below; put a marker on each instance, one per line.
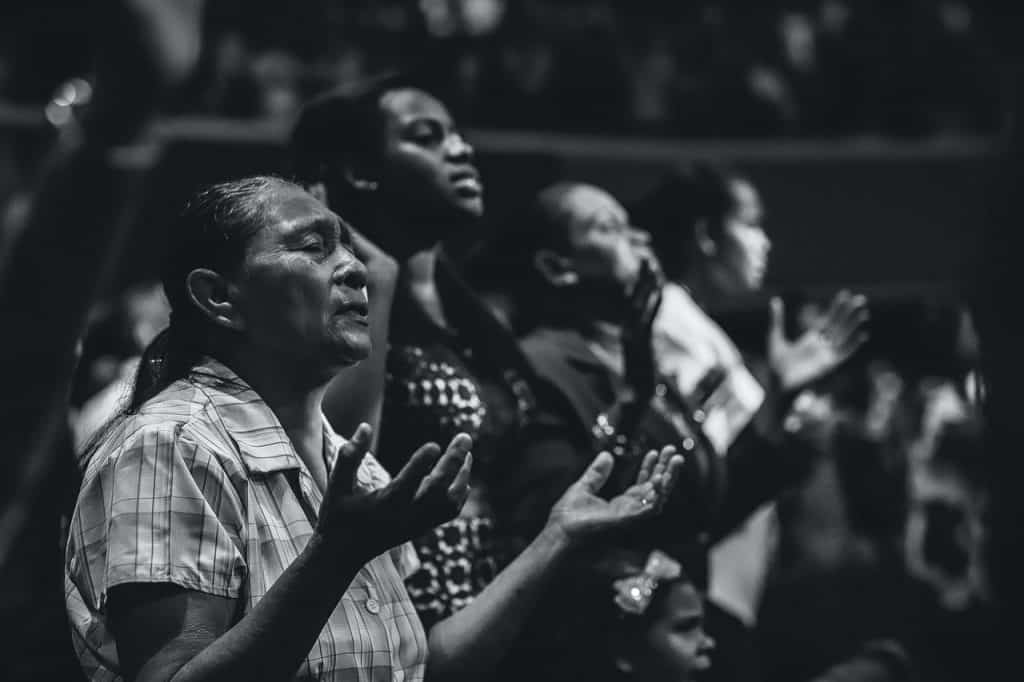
(261, 440)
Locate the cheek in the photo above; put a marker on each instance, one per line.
(413, 172)
(671, 652)
(286, 299)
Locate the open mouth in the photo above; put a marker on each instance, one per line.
(466, 181)
(357, 309)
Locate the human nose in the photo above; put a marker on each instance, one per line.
(350, 272)
(639, 237)
(458, 149)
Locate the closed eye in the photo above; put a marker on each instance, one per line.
(425, 132)
(313, 243)
(688, 624)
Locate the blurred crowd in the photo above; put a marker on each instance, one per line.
(595, 453)
(794, 68)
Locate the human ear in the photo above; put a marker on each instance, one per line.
(702, 236)
(555, 269)
(213, 295)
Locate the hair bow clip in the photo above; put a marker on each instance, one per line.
(634, 593)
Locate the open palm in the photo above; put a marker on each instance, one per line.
(821, 350)
(581, 512)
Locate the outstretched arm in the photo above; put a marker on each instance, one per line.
(468, 644)
(165, 632)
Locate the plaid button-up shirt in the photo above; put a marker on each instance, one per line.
(202, 488)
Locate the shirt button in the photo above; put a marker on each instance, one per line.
(373, 606)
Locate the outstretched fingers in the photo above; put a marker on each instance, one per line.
(412, 476)
(458, 491)
(647, 467)
(596, 475)
(448, 467)
(654, 490)
(667, 482)
(662, 462)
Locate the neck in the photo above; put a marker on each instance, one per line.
(700, 284)
(605, 340)
(422, 286)
(293, 396)
(589, 310)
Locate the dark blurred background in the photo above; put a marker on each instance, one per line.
(872, 128)
(852, 116)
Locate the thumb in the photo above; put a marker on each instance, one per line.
(596, 475)
(777, 332)
(350, 455)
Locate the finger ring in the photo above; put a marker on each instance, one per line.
(644, 501)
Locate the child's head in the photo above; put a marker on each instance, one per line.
(638, 616)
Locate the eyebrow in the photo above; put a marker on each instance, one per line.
(319, 223)
(428, 118)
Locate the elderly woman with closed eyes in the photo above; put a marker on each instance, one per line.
(225, 531)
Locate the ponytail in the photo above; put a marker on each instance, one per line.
(169, 357)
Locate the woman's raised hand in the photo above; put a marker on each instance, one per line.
(637, 331)
(818, 351)
(429, 490)
(581, 512)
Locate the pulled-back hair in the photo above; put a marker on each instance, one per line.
(340, 127)
(684, 199)
(211, 232)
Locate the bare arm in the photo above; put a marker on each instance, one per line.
(164, 632)
(468, 644)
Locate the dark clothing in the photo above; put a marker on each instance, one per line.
(467, 377)
(715, 494)
(712, 497)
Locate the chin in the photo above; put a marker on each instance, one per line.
(352, 349)
(469, 208)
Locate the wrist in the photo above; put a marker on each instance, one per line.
(785, 385)
(555, 539)
(340, 549)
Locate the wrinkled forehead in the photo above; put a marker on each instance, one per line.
(406, 104)
(292, 207)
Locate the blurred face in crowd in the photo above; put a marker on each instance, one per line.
(427, 169)
(675, 646)
(301, 292)
(740, 256)
(605, 250)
